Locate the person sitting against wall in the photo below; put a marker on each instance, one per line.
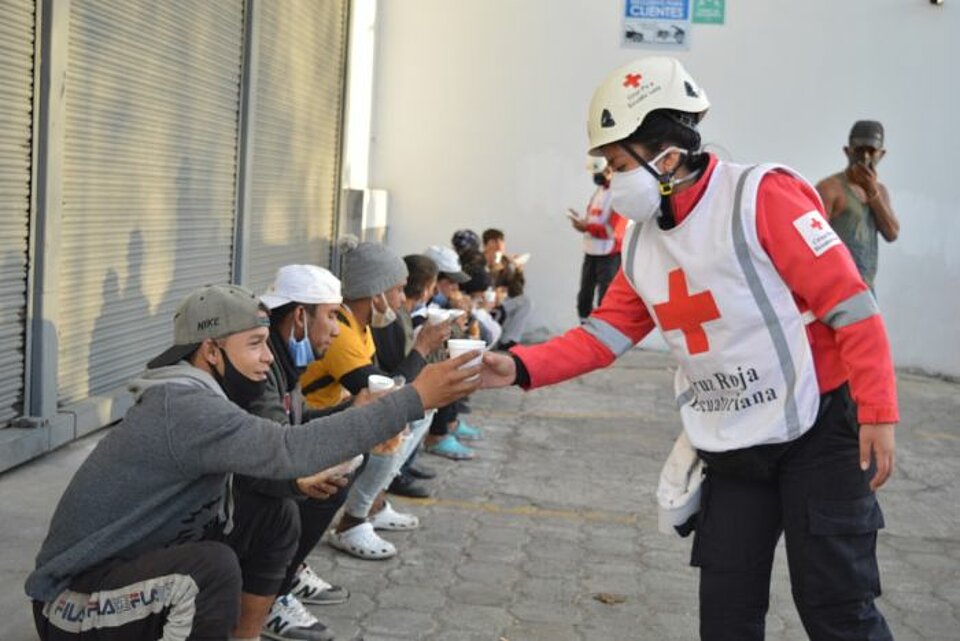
(465, 240)
(479, 290)
(514, 306)
(394, 343)
(146, 541)
(373, 282)
(303, 301)
(494, 249)
(447, 429)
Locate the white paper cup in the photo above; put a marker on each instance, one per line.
(435, 316)
(458, 346)
(377, 383)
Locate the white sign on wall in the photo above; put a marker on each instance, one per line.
(657, 24)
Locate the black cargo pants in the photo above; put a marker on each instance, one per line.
(813, 491)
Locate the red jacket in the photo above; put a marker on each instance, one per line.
(858, 353)
(604, 228)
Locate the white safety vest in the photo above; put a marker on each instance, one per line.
(598, 212)
(746, 373)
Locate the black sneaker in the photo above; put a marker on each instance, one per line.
(406, 485)
(421, 472)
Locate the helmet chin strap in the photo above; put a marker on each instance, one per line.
(666, 183)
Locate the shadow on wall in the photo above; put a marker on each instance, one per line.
(112, 340)
(127, 334)
(163, 183)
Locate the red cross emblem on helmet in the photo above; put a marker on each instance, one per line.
(632, 80)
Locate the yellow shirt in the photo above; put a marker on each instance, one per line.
(352, 349)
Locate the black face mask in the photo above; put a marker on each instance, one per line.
(599, 179)
(238, 388)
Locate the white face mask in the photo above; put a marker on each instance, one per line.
(636, 193)
(378, 319)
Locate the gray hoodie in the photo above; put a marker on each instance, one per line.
(159, 477)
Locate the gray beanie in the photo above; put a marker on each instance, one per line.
(368, 269)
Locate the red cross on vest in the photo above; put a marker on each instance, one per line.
(816, 224)
(687, 313)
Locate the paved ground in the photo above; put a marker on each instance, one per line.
(556, 516)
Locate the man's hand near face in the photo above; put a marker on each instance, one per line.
(864, 177)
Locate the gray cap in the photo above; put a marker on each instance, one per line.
(447, 262)
(867, 133)
(369, 269)
(211, 311)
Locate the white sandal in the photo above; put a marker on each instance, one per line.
(390, 519)
(362, 542)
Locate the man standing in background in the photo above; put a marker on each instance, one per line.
(856, 203)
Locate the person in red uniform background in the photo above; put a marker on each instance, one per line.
(785, 381)
(602, 230)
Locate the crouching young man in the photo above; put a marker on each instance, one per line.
(144, 543)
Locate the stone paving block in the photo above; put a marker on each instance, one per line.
(626, 584)
(561, 592)
(665, 559)
(461, 635)
(476, 593)
(551, 568)
(490, 620)
(943, 625)
(602, 548)
(548, 549)
(399, 621)
(532, 610)
(416, 575)
(540, 631)
(488, 572)
(494, 552)
(425, 598)
(506, 536)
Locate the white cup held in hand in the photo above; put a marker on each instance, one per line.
(459, 346)
(377, 383)
(435, 315)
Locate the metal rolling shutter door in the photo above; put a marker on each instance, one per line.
(16, 126)
(149, 177)
(295, 169)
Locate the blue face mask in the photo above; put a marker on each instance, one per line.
(301, 351)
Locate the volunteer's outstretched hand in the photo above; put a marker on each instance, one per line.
(499, 370)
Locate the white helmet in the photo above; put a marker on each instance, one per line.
(596, 164)
(627, 95)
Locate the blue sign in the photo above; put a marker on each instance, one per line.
(656, 24)
(658, 9)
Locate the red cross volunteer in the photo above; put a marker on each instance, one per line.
(785, 381)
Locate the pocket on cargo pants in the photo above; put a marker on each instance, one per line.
(837, 554)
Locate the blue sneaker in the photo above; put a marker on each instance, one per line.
(449, 447)
(466, 432)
